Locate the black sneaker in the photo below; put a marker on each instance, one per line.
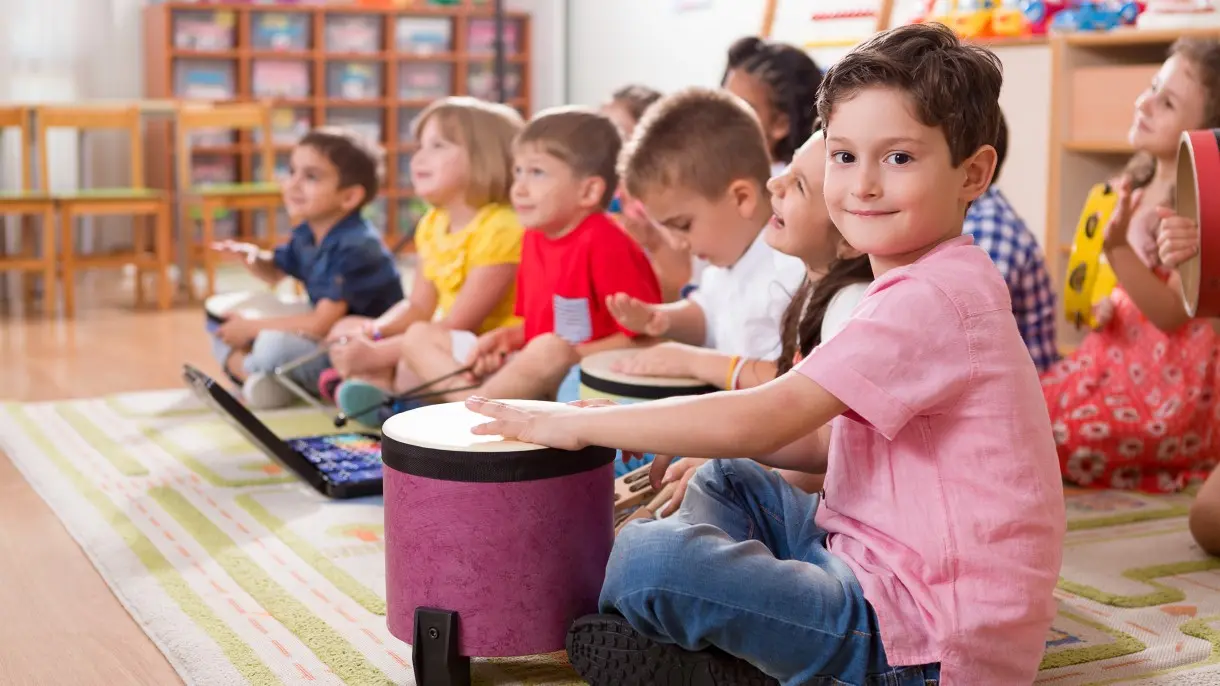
(606, 651)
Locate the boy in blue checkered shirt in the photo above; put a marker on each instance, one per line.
(338, 257)
(998, 230)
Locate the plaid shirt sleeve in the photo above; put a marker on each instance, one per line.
(998, 230)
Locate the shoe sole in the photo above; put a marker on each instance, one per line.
(606, 651)
(358, 395)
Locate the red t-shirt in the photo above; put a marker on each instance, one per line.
(562, 284)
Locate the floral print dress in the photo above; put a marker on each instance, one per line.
(1134, 407)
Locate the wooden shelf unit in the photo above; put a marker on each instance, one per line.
(403, 74)
(1095, 79)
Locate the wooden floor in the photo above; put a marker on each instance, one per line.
(61, 624)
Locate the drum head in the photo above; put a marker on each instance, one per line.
(254, 305)
(1187, 205)
(600, 365)
(447, 427)
(435, 442)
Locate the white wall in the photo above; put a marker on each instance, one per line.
(646, 41)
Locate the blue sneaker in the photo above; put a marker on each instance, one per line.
(355, 396)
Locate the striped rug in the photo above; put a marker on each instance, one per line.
(241, 575)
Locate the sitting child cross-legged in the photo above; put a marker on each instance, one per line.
(933, 552)
(338, 256)
(573, 257)
(468, 245)
(699, 165)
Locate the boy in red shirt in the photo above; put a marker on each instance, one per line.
(573, 257)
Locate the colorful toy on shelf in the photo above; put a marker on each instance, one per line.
(1095, 16)
(1089, 276)
(1040, 14)
(1008, 21)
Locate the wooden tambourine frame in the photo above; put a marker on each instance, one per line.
(1089, 277)
(1198, 170)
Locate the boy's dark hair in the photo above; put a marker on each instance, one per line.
(360, 162)
(952, 85)
(584, 139)
(697, 138)
(801, 325)
(1001, 147)
(636, 99)
(791, 76)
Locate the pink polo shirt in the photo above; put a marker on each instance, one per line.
(943, 491)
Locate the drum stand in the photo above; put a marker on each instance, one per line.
(435, 657)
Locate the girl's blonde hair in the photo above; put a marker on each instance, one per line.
(486, 130)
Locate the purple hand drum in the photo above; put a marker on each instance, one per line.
(500, 542)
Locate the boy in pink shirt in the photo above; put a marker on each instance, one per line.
(933, 551)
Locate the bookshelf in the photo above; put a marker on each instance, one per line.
(369, 68)
(1095, 79)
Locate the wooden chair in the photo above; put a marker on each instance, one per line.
(28, 203)
(207, 201)
(135, 200)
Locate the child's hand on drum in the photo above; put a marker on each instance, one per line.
(543, 426)
(637, 316)
(1177, 238)
(664, 359)
(1103, 313)
(237, 331)
(246, 251)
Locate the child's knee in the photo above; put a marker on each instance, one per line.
(1205, 525)
(647, 554)
(425, 335)
(551, 349)
(273, 349)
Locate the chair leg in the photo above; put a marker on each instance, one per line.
(139, 247)
(28, 251)
(209, 257)
(50, 263)
(67, 261)
(161, 244)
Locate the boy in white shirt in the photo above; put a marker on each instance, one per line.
(699, 164)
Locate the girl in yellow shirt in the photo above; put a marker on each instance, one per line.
(469, 246)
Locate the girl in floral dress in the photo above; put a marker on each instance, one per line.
(1134, 407)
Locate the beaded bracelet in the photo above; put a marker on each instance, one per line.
(731, 375)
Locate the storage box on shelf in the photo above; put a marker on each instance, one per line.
(368, 68)
(1095, 79)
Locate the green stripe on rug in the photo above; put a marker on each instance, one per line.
(114, 452)
(242, 657)
(1195, 628)
(329, 570)
(1124, 644)
(328, 645)
(1162, 595)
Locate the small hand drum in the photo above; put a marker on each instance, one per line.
(252, 305)
(493, 547)
(1199, 170)
(599, 380)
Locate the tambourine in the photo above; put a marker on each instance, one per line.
(1089, 276)
(1199, 169)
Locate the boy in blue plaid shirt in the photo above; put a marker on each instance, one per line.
(998, 230)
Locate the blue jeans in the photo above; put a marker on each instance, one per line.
(272, 349)
(743, 567)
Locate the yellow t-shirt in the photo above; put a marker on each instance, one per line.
(492, 237)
